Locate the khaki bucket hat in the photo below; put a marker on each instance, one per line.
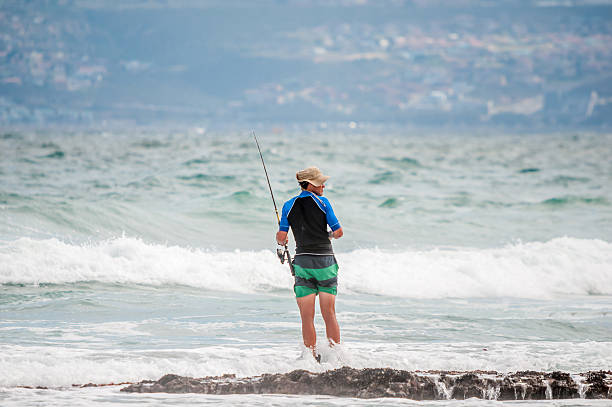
(312, 175)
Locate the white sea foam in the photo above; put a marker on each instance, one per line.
(57, 366)
(528, 270)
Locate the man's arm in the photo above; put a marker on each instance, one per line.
(283, 224)
(332, 221)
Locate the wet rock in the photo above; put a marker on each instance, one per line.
(467, 386)
(598, 385)
(386, 382)
(561, 385)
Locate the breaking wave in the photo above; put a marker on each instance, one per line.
(526, 270)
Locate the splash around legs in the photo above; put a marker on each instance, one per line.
(327, 303)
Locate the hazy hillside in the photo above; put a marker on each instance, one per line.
(512, 63)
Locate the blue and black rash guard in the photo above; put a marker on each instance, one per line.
(308, 216)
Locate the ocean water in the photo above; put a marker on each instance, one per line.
(130, 254)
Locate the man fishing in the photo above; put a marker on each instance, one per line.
(316, 270)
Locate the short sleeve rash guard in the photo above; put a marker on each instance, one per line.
(308, 216)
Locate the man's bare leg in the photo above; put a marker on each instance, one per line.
(307, 311)
(328, 310)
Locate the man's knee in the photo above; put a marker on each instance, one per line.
(328, 312)
(328, 304)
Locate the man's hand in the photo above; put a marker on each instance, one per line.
(281, 238)
(337, 234)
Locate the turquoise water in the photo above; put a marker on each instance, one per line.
(128, 255)
(392, 190)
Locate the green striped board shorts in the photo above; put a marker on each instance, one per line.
(314, 273)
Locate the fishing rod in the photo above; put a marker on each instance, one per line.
(282, 254)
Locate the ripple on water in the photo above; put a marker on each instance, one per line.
(11, 136)
(385, 177)
(566, 180)
(55, 154)
(405, 162)
(206, 177)
(196, 161)
(390, 203)
(241, 196)
(528, 170)
(575, 200)
(11, 197)
(146, 183)
(150, 144)
(50, 144)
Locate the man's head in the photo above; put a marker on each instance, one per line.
(312, 179)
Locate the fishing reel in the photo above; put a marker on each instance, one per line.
(281, 252)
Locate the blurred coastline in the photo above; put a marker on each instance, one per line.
(509, 64)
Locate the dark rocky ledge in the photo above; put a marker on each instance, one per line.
(419, 385)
